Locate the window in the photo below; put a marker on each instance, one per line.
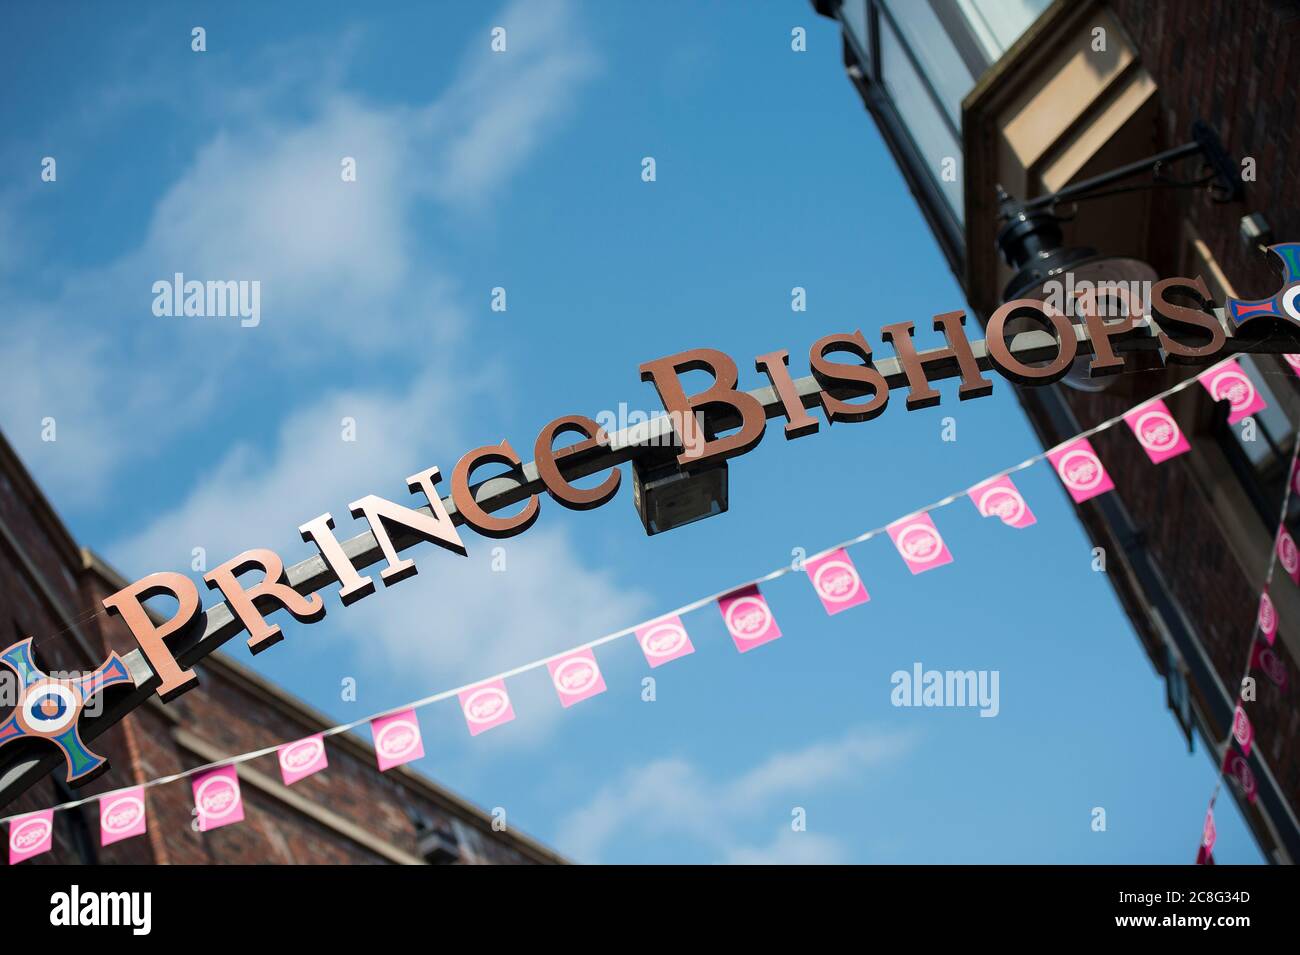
(935, 141)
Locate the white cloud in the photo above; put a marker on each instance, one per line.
(340, 268)
(502, 103)
(791, 848)
(671, 797)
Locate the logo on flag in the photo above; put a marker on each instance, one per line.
(485, 706)
(1231, 384)
(301, 759)
(664, 640)
(748, 618)
(217, 800)
(121, 816)
(31, 835)
(1001, 498)
(919, 543)
(397, 739)
(1286, 553)
(836, 581)
(1267, 617)
(576, 677)
(1242, 731)
(1237, 768)
(1080, 470)
(1157, 431)
(1263, 657)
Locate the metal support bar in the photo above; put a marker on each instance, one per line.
(18, 772)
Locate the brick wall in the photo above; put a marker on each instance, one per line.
(1232, 63)
(232, 711)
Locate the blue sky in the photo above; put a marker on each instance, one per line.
(522, 170)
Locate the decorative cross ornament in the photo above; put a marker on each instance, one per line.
(51, 709)
(1286, 303)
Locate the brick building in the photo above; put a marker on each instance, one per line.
(1031, 96)
(350, 813)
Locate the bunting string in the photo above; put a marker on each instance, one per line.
(1240, 728)
(575, 674)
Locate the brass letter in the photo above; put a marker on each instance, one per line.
(475, 516)
(920, 394)
(129, 604)
(828, 373)
(544, 454)
(273, 591)
(663, 373)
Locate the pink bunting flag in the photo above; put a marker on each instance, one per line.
(576, 677)
(1237, 768)
(486, 706)
(1242, 731)
(748, 618)
(217, 800)
(1080, 470)
(836, 581)
(302, 758)
(1294, 362)
(1267, 618)
(663, 640)
(30, 835)
(1157, 431)
(1229, 382)
(397, 739)
(121, 815)
(1263, 657)
(919, 543)
(1000, 498)
(1205, 856)
(1287, 554)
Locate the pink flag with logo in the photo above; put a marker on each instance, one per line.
(302, 758)
(1267, 618)
(1157, 431)
(1001, 498)
(397, 739)
(1242, 731)
(1237, 768)
(485, 706)
(1080, 470)
(1294, 362)
(663, 640)
(1287, 554)
(748, 618)
(919, 543)
(1229, 382)
(576, 677)
(836, 581)
(1263, 657)
(1208, 837)
(217, 800)
(30, 835)
(121, 815)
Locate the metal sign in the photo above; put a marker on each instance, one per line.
(693, 431)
